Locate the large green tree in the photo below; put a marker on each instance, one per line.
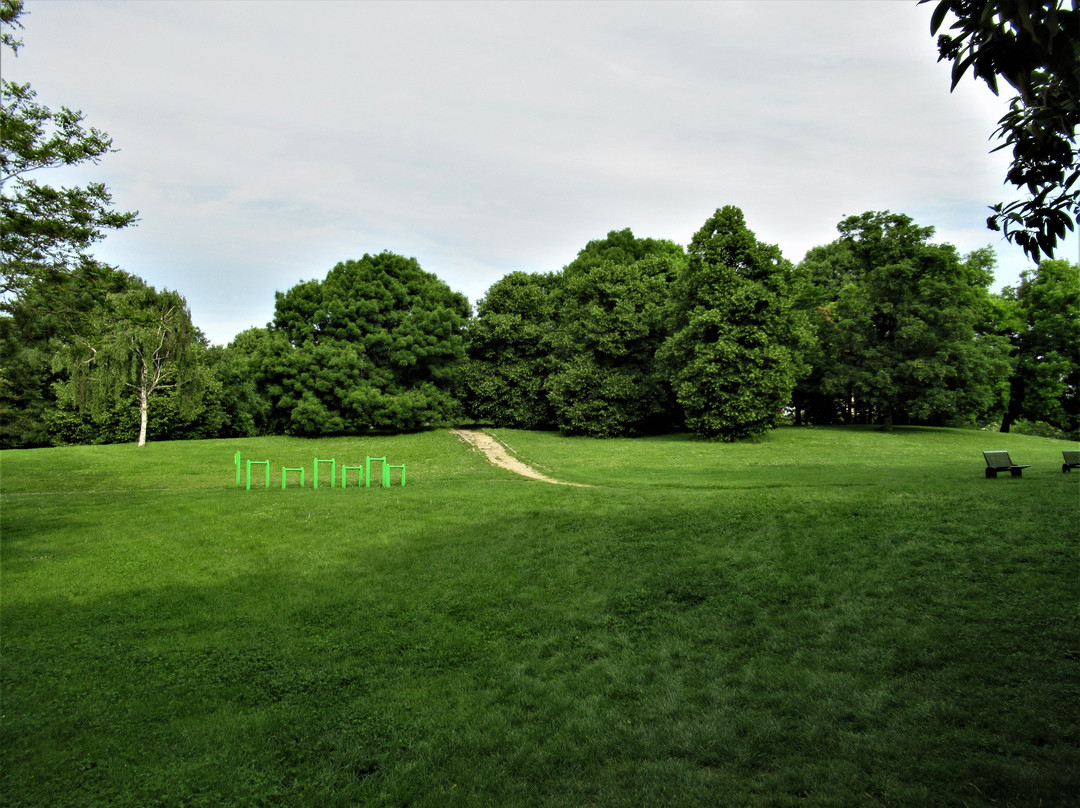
(611, 319)
(51, 288)
(36, 326)
(736, 349)
(376, 344)
(251, 372)
(1046, 382)
(902, 337)
(47, 231)
(826, 270)
(1032, 45)
(508, 353)
(143, 344)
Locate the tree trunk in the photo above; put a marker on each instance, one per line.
(1016, 400)
(887, 420)
(143, 412)
(144, 406)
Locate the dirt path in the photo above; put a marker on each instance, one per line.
(497, 455)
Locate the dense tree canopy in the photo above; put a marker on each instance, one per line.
(142, 343)
(611, 319)
(375, 345)
(47, 231)
(1032, 45)
(35, 327)
(736, 348)
(576, 349)
(1046, 333)
(899, 335)
(508, 347)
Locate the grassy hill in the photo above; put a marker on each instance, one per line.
(827, 617)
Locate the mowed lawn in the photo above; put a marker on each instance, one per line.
(829, 617)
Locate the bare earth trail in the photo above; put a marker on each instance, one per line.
(497, 455)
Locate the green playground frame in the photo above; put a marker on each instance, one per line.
(363, 473)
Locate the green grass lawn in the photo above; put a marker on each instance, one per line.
(830, 617)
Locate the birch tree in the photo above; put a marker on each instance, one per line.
(144, 345)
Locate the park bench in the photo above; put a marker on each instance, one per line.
(1000, 461)
(1072, 459)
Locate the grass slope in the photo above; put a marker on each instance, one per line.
(828, 617)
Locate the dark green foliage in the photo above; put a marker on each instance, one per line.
(47, 231)
(251, 370)
(1032, 45)
(1046, 384)
(827, 269)
(38, 325)
(508, 347)
(622, 247)
(373, 346)
(735, 353)
(141, 343)
(612, 320)
(577, 349)
(170, 416)
(901, 336)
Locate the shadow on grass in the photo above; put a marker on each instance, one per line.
(639, 651)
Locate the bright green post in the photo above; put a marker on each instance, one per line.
(237, 459)
(386, 474)
(367, 471)
(315, 477)
(283, 472)
(359, 474)
(251, 463)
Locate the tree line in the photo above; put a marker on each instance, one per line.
(725, 337)
(729, 339)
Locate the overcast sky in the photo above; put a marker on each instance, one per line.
(264, 141)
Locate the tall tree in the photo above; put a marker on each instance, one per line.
(611, 320)
(735, 353)
(144, 345)
(1032, 45)
(376, 344)
(49, 284)
(826, 270)
(47, 231)
(1046, 382)
(36, 326)
(902, 337)
(252, 387)
(508, 353)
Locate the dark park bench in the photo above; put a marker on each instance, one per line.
(1000, 461)
(1072, 459)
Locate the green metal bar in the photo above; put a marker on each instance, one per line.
(386, 474)
(284, 470)
(237, 459)
(333, 467)
(368, 470)
(251, 463)
(359, 476)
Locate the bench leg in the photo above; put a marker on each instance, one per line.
(1016, 472)
(990, 473)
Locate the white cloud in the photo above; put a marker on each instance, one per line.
(265, 142)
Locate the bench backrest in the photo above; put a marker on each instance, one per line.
(997, 460)
(1072, 456)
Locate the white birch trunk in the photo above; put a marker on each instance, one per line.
(144, 409)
